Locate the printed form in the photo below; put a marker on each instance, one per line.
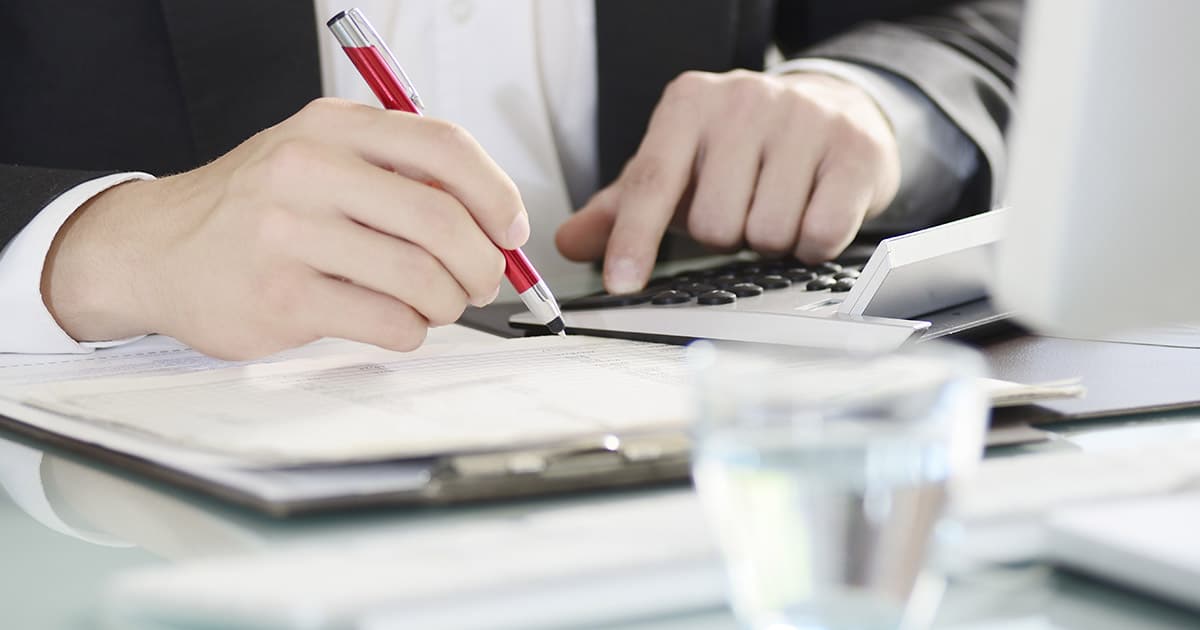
(374, 404)
(337, 402)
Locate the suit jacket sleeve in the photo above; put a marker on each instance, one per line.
(963, 58)
(25, 190)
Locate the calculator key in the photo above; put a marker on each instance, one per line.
(605, 300)
(671, 296)
(712, 298)
(845, 273)
(818, 284)
(842, 285)
(695, 288)
(827, 268)
(772, 282)
(745, 289)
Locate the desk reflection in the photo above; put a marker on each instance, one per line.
(98, 504)
(164, 524)
(106, 507)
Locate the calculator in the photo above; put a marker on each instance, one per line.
(890, 298)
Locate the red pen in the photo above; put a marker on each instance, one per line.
(395, 91)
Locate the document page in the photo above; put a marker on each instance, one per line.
(151, 355)
(377, 404)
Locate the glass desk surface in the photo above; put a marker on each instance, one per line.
(51, 580)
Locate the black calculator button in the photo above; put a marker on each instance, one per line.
(827, 268)
(817, 284)
(712, 298)
(745, 289)
(671, 296)
(694, 288)
(771, 282)
(846, 273)
(842, 285)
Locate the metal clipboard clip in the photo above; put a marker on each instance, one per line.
(601, 462)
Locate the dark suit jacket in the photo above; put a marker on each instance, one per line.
(166, 85)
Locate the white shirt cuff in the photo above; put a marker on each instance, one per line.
(28, 325)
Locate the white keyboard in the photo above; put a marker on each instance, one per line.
(536, 566)
(1147, 544)
(1031, 486)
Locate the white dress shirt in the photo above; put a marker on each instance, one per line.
(521, 76)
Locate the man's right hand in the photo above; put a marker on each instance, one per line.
(325, 225)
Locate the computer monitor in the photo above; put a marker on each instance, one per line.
(1104, 181)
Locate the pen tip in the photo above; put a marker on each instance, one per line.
(557, 326)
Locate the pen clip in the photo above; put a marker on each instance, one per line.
(352, 29)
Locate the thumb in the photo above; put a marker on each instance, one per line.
(584, 236)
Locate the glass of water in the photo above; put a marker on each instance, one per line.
(824, 477)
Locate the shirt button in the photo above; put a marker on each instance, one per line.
(461, 10)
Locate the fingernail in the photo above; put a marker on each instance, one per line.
(518, 232)
(622, 275)
(495, 294)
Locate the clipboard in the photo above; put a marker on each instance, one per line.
(605, 462)
(614, 458)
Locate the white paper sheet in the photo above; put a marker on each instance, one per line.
(377, 404)
(152, 355)
(338, 402)
(1010, 394)
(162, 356)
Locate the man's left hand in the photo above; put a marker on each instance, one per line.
(784, 164)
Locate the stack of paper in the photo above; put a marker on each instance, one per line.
(376, 404)
(338, 418)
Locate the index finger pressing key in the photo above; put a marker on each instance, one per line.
(650, 189)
